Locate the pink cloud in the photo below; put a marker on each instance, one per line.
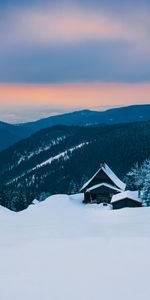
(90, 95)
(65, 25)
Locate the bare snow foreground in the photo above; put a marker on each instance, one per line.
(62, 250)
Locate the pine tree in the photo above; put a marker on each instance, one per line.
(148, 199)
(20, 201)
(146, 190)
(4, 198)
(139, 178)
(135, 178)
(73, 187)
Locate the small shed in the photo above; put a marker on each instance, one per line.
(126, 199)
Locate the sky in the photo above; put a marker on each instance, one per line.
(59, 56)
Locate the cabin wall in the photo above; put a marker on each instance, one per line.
(87, 198)
(99, 195)
(126, 203)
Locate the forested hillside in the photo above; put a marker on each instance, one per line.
(61, 158)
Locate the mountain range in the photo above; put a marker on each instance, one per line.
(60, 159)
(10, 134)
(128, 114)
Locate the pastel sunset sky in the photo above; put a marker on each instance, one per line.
(60, 55)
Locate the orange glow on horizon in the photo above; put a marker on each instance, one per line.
(82, 95)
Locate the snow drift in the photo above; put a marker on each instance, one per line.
(61, 249)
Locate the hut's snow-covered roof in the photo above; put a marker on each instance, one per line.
(121, 185)
(103, 184)
(126, 194)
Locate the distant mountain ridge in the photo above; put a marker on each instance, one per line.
(128, 114)
(10, 134)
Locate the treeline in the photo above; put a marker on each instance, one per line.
(16, 199)
(19, 197)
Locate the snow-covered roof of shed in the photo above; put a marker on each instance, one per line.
(103, 184)
(121, 185)
(126, 194)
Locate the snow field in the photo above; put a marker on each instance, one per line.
(60, 249)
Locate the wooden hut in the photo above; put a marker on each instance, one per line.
(102, 186)
(126, 199)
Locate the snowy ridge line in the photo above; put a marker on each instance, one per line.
(53, 142)
(64, 155)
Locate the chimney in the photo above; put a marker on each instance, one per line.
(102, 165)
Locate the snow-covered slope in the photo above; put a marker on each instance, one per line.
(61, 159)
(60, 249)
